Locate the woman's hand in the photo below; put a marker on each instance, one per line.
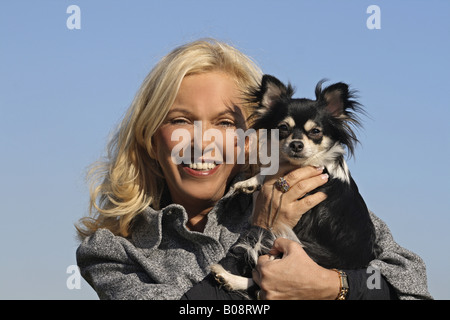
(274, 208)
(294, 276)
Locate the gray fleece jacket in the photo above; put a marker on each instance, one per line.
(163, 259)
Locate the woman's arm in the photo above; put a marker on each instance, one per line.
(403, 269)
(107, 264)
(296, 276)
(402, 274)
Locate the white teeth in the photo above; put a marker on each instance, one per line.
(202, 166)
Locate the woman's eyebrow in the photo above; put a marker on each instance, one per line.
(228, 111)
(179, 110)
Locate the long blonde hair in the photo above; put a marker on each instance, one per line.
(129, 179)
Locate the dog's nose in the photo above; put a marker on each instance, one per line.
(296, 146)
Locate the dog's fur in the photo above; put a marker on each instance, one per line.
(337, 233)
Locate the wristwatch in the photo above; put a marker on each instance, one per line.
(343, 286)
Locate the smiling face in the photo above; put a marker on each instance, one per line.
(210, 99)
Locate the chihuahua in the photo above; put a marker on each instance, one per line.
(338, 232)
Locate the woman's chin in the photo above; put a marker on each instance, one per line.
(206, 183)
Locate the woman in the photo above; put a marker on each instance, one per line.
(157, 225)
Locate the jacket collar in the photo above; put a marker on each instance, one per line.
(147, 227)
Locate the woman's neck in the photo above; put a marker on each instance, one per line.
(197, 212)
(197, 218)
(197, 222)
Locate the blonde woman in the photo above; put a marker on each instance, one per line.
(156, 226)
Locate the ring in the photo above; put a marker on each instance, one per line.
(282, 185)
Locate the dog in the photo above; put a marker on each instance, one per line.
(338, 232)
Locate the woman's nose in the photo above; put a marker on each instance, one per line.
(207, 142)
(198, 143)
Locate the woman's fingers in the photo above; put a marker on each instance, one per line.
(300, 181)
(291, 212)
(307, 203)
(275, 207)
(301, 187)
(294, 175)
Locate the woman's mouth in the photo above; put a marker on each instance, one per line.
(200, 168)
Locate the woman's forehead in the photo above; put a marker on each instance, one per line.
(211, 93)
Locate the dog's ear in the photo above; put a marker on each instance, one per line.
(336, 97)
(271, 90)
(341, 103)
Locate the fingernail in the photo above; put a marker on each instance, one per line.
(324, 176)
(320, 168)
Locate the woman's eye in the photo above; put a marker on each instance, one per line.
(179, 121)
(226, 123)
(283, 127)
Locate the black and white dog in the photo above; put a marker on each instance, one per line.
(337, 233)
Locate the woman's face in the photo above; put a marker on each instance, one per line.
(204, 101)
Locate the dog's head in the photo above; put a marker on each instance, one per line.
(309, 130)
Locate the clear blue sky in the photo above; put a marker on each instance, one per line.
(62, 92)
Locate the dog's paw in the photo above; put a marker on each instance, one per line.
(221, 275)
(230, 281)
(250, 190)
(246, 187)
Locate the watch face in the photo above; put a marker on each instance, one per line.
(343, 290)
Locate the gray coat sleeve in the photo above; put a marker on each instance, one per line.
(403, 269)
(108, 264)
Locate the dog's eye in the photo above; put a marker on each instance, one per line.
(315, 132)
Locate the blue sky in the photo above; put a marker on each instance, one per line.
(62, 92)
